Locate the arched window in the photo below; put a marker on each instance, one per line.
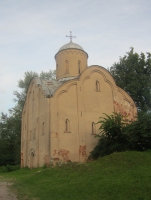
(67, 67)
(97, 86)
(79, 66)
(67, 125)
(93, 128)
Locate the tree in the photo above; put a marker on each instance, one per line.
(9, 140)
(139, 132)
(133, 74)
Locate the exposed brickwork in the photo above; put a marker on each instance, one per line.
(125, 110)
(64, 154)
(46, 160)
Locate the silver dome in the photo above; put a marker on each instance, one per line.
(71, 45)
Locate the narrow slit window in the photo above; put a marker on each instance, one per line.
(79, 66)
(67, 67)
(67, 125)
(93, 128)
(97, 86)
(43, 128)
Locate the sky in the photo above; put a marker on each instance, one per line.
(32, 31)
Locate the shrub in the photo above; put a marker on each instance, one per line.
(9, 168)
(2, 169)
(119, 134)
(112, 136)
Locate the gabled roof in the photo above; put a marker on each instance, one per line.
(50, 86)
(47, 86)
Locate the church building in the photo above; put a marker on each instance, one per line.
(59, 116)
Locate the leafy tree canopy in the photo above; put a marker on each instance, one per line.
(133, 74)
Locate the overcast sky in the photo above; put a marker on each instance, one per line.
(32, 31)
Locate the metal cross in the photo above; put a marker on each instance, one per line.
(71, 36)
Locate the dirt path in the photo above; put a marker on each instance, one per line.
(5, 192)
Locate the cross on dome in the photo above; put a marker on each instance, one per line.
(71, 36)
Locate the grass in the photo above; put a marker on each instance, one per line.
(119, 176)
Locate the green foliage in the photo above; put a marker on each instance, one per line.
(9, 140)
(139, 133)
(2, 169)
(133, 74)
(50, 75)
(9, 168)
(23, 85)
(44, 166)
(10, 126)
(119, 176)
(118, 134)
(112, 136)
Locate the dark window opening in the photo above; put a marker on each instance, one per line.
(67, 67)
(67, 125)
(79, 66)
(93, 128)
(97, 86)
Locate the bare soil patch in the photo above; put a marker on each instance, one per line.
(5, 193)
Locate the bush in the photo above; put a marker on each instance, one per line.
(112, 136)
(118, 134)
(2, 169)
(9, 168)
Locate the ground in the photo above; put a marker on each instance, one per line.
(5, 193)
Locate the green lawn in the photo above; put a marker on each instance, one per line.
(119, 176)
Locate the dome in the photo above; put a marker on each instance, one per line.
(71, 45)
